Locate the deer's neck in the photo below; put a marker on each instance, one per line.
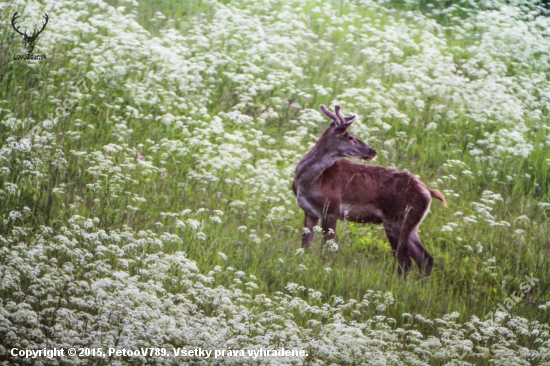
(313, 164)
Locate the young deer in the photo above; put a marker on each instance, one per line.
(329, 188)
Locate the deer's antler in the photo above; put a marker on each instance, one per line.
(328, 113)
(13, 20)
(43, 26)
(337, 118)
(35, 33)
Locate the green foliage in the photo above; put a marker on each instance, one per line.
(198, 111)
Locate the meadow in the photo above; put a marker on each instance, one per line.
(146, 170)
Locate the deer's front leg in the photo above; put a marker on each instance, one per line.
(309, 234)
(329, 226)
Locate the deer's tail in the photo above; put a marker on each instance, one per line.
(436, 194)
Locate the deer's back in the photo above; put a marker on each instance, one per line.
(366, 193)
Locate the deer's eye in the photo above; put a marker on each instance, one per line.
(350, 138)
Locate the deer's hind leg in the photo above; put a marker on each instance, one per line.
(399, 246)
(420, 255)
(417, 251)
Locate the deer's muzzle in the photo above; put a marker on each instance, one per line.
(370, 155)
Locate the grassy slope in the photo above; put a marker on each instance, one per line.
(463, 280)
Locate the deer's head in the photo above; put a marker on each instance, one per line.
(33, 37)
(338, 140)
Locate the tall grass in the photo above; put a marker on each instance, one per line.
(213, 122)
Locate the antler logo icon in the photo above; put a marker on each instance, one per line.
(32, 38)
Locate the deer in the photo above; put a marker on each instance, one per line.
(33, 37)
(330, 188)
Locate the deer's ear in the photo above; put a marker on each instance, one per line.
(340, 129)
